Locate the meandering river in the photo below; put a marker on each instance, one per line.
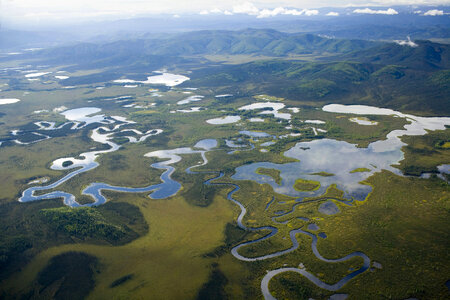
(339, 159)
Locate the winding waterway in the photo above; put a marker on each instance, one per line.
(295, 244)
(87, 161)
(338, 159)
(167, 188)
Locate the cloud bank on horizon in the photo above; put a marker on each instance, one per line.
(86, 9)
(388, 11)
(251, 9)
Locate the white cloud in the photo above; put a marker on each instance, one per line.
(294, 12)
(389, 11)
(212, 11)
(265, 13)
(246, 8)
(176, 16)
(407, 42)
(333, 14)
(250, 9)
(29, 12)
(434, 12)
(311, 12)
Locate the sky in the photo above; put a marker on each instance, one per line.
(32, 10)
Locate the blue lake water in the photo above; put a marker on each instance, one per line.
(256, 134)
(325, 155)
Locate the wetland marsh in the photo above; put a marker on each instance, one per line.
(146, 178)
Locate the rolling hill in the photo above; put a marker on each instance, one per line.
(249, 42)
(394, 86)
(426, 56)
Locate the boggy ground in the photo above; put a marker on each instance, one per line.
(181, 246)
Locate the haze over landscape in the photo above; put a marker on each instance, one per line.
(224, 150)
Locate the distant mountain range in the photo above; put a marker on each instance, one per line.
(255, 42)
(264, 42)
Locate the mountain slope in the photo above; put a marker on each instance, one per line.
(246, 42)
(404, 88)
(426, 56)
